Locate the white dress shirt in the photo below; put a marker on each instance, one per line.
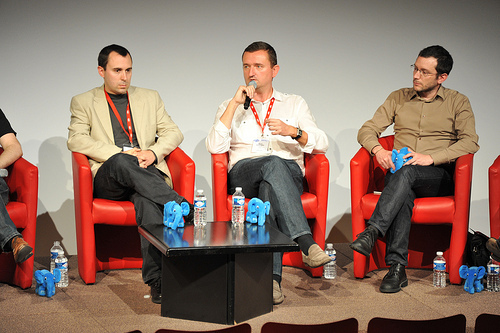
(291, 109)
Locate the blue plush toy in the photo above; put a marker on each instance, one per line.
(472, 276)
(398, 158)
(46, 282)
(173, 214)
(257, 211)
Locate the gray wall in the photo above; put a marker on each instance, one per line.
(343, 57)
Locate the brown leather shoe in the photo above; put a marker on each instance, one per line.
(22, 251)
(278, 297)
(316, 257)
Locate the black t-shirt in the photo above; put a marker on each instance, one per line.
(5, 127)
(121, 137)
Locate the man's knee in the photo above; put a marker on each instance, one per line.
(120, 160)
(406, 173)
(275, 163)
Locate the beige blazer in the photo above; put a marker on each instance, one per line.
(91, 132)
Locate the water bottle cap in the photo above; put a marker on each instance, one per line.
(439, 253)
(199, 191)
(239, 189)
(329, 246)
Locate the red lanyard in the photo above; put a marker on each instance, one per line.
(267, 115)
(129, 118)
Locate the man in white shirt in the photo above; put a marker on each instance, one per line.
(266, 145)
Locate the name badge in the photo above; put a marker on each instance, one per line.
(260, 145)
(126, 147)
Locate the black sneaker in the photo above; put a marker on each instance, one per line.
(156, 291)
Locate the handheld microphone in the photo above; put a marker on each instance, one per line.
(248, 100)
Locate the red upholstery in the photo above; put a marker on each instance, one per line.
(106, 230)
(494, 188)
(438, 223)
(314, 200)
(22, 209)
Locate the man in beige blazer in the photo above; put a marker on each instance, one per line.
(126, 133)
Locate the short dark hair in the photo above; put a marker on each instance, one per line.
(444, 59)
(257, 46)
(102, 59)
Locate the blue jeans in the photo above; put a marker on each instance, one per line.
(121, 178)
(392, 215)
(280, 182)
(7, 228)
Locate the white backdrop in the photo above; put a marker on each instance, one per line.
(343, 57)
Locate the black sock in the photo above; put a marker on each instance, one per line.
(277, 278)
(305, 242)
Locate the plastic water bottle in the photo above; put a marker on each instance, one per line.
(439, 276)
(330, 269)
(238, 215)
(54, 252)
(62, 264)
(492, 277)
(200, 208)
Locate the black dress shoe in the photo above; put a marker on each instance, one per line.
(156, 291)
(365, 241)
(394, 280)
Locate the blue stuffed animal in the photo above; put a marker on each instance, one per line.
(472, 276)
(46, 282)
(398, 158)
(173, 214)
(257, 211)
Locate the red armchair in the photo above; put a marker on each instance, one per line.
(22, 209)
(314, 200)
(106, 230)
(438, 223)
(494, 199)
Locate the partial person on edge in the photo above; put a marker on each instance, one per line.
(10, 239)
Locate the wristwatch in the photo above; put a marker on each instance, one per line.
(299, 134)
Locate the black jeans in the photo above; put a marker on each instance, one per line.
(121, 178)
(7, 228)
(392, 215)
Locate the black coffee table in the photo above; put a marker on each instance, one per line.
(220, 273)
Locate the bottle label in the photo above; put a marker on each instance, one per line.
(439, 265)
(53, 255)
(493, 269)
(238, 201)
(200, 203)
(62, 265)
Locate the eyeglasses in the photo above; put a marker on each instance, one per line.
(424, 73)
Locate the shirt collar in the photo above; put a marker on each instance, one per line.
(277, 96)
(440, 93)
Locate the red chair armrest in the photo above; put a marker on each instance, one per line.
(23, 182)
(317, 174)
(463, 179)
(183, 172)
(219, 184)
(83, 181)
(494, 197)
